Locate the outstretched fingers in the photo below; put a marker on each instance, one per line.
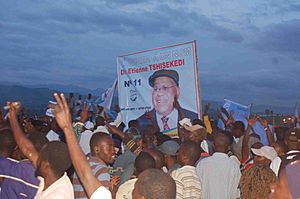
(64, 101)
(58, 100)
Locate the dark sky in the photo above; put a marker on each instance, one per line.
(248, 51)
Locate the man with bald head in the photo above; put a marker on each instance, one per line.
(154, 184)
(165, 94)
(157, 156)
(219, 175)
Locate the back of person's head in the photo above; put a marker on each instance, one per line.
(292, 139)
(255, 182)
(198, 121)
(89, 96)
(157, 156)
(142, 162)
(7, 142)
(40, 126)
(100, 121)
(280, 133)
(238, 125)
(238, 128)
(221, 142)
(154, 184)
(188, 154)
(38, 140)
(56, 154)
(133, 124)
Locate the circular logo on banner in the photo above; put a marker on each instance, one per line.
(133, 95)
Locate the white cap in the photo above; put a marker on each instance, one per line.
(101, 129)
(50, 112)
(89, 125)
(185, 121)
(265, 151)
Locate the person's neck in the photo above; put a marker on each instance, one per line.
(49, 180)
(4, 154)
(189, 163)
(171, 163)
(220, 151)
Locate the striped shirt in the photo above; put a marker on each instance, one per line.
(187, 183)
(100, 171)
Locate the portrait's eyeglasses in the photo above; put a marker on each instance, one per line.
(163, 88)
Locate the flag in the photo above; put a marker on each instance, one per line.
(107, 97)
(240, 112)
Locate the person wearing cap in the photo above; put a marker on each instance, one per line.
(292, 141)
(86, 136)
(132, 140)
(169, 149)
(165, 94)
(264, 155)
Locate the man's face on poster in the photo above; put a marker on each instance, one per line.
(164, 92)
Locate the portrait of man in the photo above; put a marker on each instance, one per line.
(165, 94)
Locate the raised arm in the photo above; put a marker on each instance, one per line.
(23, 142)
(206, 119)
(267, 129)
(81, 165)
(245, 147)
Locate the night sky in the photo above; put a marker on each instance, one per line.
(248, 51)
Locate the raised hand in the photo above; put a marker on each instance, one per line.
(253, 120)
(14, 108)
(84, 115)
(219, 114)
(263, 121)
(207, 106)
(62, 112)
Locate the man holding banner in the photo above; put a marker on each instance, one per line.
(165, 93)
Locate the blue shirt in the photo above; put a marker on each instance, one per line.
(19, 179)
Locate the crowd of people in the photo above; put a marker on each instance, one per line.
(81, 151)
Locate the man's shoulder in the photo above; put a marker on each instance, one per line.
(147, 114)
(190, 114)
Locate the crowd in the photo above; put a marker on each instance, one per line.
(79, 150)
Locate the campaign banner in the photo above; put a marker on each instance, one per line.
(159, 86)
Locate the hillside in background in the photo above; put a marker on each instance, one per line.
(37, 97)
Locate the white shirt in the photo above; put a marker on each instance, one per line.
(52, 136)
(219, 177)
(125, 190)
(60, 189)
(84, 141)
(172, 120)
(187, 182)
(101, 193)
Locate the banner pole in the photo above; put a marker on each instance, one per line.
(199, 98)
